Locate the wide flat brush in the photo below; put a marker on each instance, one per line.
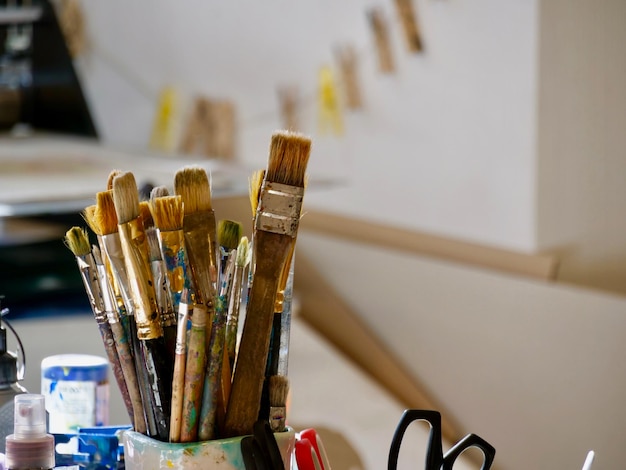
(149, 330)
(77, 241)
(275, 229)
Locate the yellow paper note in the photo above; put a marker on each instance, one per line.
(329, 108)
(164, 129)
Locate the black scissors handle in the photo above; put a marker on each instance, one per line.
(434, 451)
(469, 441)
(435, 460)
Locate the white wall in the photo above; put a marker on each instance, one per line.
(582, 116)
(445, 145)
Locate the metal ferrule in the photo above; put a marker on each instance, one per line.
(279, 209)
(162, 291)
(277, 418)
(181, 328)
(108, 297)
(89, 275)
(142, 292)
(113, 248)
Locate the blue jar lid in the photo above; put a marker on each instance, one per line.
(78, 367)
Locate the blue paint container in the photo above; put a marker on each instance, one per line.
(76, 390)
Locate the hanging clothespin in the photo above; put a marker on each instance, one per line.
(72, 24)
(198, 127)
(347, 58)
(222, 136)
(381, 36)
(288, 101)
(211, 129)
(165, 126)
(328, 99)
(409, 25)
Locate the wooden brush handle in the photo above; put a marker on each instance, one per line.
(194, 375)
(213, 376)
(177, 397)
(113, 357)
(127, 366)
(271, 252)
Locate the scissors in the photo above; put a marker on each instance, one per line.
(435, 459)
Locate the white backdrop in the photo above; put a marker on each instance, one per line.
(445, 145)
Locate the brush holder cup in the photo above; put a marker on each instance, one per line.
(144, 453)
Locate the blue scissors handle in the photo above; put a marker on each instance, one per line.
(435, 460)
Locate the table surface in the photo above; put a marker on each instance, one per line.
(355, 416)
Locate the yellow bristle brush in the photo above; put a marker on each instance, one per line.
(149, 330)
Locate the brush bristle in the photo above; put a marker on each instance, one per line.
(145, 214)
(125, 197)
(105, 216)
(159, 191)
(192, 184)
(154, 245)
(229, 233)
(167, 212)
(255, 182)
(77, 241)
(89, 215)
(112, 176)
(288, 159)
(242, 252)
(278, 390)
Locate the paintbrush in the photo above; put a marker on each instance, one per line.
(167, 212)
(122, 345)
(106, 219)
(275, 229)
(234, 302)
(77, 241)
(178, 380)
(194, 375)
(149, 330)
(199, 227)
(278, 392)
(229, 233)
(160, 279)
(111, 177)
(215, 358)
(158, 191)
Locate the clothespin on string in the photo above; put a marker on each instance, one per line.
(381, 36)
(412, 35)
(288, 103)
(211, 129)
(348, 61)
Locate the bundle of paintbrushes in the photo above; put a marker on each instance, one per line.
(195, 317)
